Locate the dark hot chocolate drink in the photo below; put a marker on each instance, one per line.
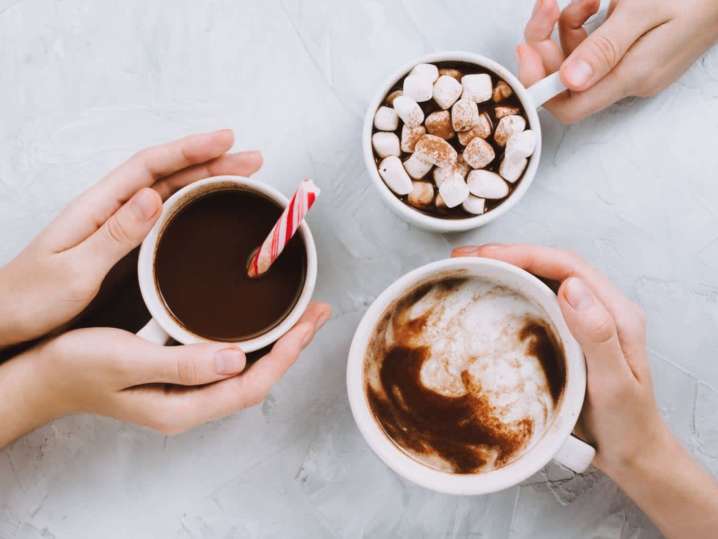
(201, 266)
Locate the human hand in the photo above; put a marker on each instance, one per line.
(620, 417)
(641, 48)
(117, 374)
(57, 275)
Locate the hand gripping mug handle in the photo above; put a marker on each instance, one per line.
(153, 332)
(546, 89)
(575, 454)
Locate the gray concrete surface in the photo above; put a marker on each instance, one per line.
(86, 83)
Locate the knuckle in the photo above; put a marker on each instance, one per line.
(604, 50)
(116, 231)
(187, 372)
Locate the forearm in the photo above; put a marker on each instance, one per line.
(22, 406)
(676, 493)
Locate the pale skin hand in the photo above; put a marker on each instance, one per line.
(620, 418)
(640, 49)
(57, 275)
(117, 374)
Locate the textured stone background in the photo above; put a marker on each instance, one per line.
(86, 82)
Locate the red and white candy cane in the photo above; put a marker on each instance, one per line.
(284, 229)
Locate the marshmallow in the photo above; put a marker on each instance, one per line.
(417, 167)
(451, 72)
(482, 129)
(391, 97)
(392, 172)
(478, 153)
(505, 111)
(386, 144)
(508, 125)
(421, 195)
(426, 71)
(418, 88)
(464, 115)
(474, 205)
(446, 91)
(454, 191)
(410, 136)
(409, 111)
(502, 91)
(477, 87)
(511, 169)
(436, 151)
(487, 184)
(439, 202)
(441, 174)
(386, 119)
(521, 144)
(439, 124)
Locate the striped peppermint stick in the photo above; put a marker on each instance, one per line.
(284, 229)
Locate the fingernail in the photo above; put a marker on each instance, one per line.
(229, 361)
(307, 334)
(467, 250)
(578, 295)
(578, 72)
(323, 318)
(145, 204)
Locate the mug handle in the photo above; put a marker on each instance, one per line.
(153, 332)
(546, 89)
(575, 454)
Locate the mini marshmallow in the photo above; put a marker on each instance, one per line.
(482, 129)
(421, 195)
(487, 184)
(474, 205)
(508, 125)
(505, 111)
(417, 167)
(392, 172)
(426, 71)
(521, 144)
(436, 151)
(464, 115)
(477, 87)
(386, 119)
(419, 88)
(439, 202)
(409, 111)
(439, 124)
(502, 91)
(441, 174)
(451, 72)
(454, 191)
(511, 169)
(391, 97)
(446, 91)
(410, 136)
(386, 144)
(478, 153)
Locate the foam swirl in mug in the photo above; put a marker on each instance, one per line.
(464, 375)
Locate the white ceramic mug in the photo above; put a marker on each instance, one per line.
(163, 324)
(531, 98)
(557, 443)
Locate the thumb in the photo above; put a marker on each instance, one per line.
(123, 231)
(593, 327)
(600, 52)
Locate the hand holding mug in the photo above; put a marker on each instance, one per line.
(620, 418)
(641, 48)
(57, 275)
(114, 373)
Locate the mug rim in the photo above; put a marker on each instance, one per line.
(536, 456)
(148, 286)
(415, 216)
